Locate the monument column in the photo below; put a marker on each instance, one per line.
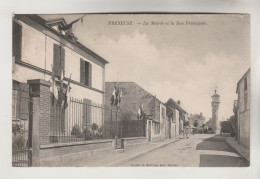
(215, 105)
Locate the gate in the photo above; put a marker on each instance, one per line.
(21, 125)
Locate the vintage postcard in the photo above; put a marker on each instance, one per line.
(131, 90)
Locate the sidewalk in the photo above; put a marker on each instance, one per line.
(116, 157)
(240, 149)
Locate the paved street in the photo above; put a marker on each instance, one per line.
(201, 150)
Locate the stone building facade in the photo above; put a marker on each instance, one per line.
(243, 110)
(40, 52)
(177, 116)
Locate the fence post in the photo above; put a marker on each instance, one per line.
(41, 116)
(122, 128)
(144, 127)
(116, 130)
(111, 125)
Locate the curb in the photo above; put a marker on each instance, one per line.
(139, 154)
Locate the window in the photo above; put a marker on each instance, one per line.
(162, 113)
(156, 128)
(58, 59)
(17, 40)
(85, 73)
(245, 94)
(245, 84)
(20, 101)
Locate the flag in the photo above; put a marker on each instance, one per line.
(53, 89)
(139, 112)
(69, 26)
(117, 97)
(67, 95)
(113, 96)
(61, 94)
(120, 96)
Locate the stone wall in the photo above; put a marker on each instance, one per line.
(70, 153)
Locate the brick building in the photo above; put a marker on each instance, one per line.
(135, 97)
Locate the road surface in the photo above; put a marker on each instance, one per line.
(200, 150)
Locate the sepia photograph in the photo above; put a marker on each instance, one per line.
(131, 90)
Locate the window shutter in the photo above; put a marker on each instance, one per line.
(24, 101)
(18, 101)
(87, 111)
(90, 75)
(56, 59)
(82, 71)
(62, 58)
(17, 40)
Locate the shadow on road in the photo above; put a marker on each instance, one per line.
(217, 143)
(217, 153)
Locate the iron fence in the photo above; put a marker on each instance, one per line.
(83, 120)
(21, 125)
(80, 120)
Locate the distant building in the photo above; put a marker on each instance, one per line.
(243, 110)
(177, 116)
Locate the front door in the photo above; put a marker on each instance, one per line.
(149, 131)
(169, 129)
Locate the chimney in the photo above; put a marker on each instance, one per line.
(179, 102)
(201, 114)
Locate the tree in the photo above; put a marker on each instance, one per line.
(196, 123)
(186, 123)
(197, 118)
(233, 122)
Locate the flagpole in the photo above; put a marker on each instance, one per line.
(116, 111)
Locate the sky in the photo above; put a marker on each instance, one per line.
(183, 62)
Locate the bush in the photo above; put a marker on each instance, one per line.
(19, 142)
(94, 127)
(76, 131)
(186, 123)
(100, 133)
(17, 129)
(90, 134)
